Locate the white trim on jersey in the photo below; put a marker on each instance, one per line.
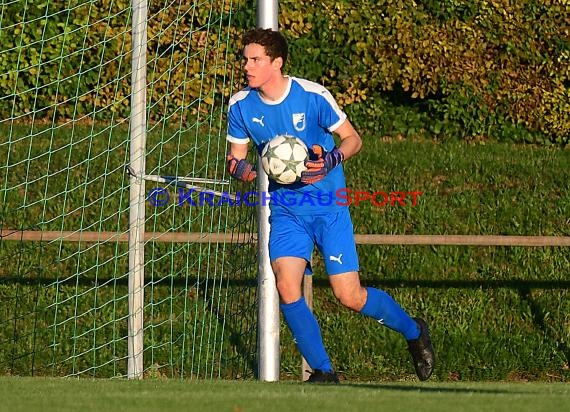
(339, 123)
(283, 97)
(237, 140)
(313, 87)
(242, 94)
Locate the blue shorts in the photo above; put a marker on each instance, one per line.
(297, 236)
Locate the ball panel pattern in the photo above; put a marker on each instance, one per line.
(283, 159)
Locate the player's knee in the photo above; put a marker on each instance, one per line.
(282, 287)
(351, 299)
(288, 293)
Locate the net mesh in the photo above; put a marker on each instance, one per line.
(65, 70)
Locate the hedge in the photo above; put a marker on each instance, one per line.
(485, 68)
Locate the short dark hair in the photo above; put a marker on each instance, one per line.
(272, 41)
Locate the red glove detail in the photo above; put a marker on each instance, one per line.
(240, 169)
(321, 164)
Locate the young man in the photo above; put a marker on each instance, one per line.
(272, 105)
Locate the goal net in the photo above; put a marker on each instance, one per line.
(65, 134)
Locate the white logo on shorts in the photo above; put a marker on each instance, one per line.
(336, 259)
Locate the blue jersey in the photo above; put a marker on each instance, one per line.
(308, 111)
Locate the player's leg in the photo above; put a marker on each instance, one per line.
(289, 272)
(382, 307)
(336, 242)
(374, 303)
(290, 250)
(347, 289)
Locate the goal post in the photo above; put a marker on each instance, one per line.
(268, 347)
(137, 131)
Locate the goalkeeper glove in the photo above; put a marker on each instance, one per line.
(240, 169)
(325, 161)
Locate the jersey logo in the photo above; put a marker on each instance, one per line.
(299, 121)
(258, 120)
(336, 259)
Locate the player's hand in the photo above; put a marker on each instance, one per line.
(240, 169)
(321, 164)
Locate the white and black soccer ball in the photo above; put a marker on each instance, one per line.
(283, 159)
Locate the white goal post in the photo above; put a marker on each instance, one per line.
(268, 315)
(135, 366)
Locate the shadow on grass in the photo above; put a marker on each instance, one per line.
(239, 340)
(432, 389)
(522, 285)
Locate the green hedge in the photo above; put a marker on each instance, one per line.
(479, 69)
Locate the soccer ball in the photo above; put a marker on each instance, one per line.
(283, 159)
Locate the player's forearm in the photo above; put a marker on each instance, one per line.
(239, 151)
(238, 166)
(350, 145)
(350, 141)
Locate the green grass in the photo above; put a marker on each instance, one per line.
(496, 313)
(479, 189)
(60, 395)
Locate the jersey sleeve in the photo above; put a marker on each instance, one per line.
(237, 131)
(330, 114)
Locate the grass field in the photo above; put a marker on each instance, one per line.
(46, 395)
(495, 313)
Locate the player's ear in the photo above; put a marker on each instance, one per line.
(278, 63)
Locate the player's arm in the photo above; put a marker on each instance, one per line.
(323, 162)
(350, 141)
(238, 166)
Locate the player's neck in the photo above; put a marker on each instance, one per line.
(275, 88)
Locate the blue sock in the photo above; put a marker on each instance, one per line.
(380, 306)
(307, 334)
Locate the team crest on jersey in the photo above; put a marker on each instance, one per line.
(299, 121)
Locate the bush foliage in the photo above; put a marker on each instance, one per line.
(450, 68)
(493, 68)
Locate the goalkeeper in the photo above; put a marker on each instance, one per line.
(275, 104)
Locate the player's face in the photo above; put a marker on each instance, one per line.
(258, 67)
